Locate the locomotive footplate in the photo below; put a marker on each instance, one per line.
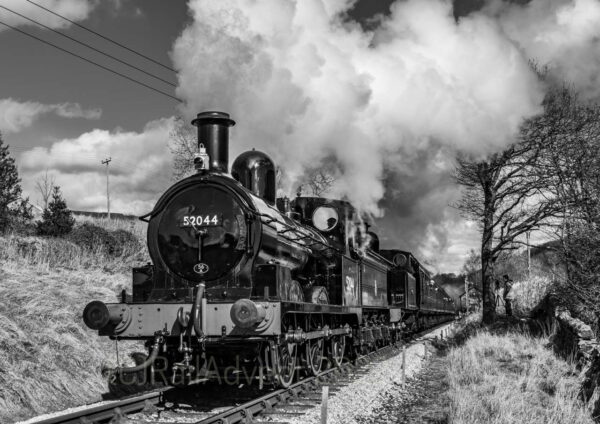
(217, 320)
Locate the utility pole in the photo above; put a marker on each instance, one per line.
(106, 162)
(528, 256)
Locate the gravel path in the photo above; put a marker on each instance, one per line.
(423, 399)
(363, 400)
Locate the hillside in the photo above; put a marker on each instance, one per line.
(49, 360)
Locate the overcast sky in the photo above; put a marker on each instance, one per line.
(386, 91)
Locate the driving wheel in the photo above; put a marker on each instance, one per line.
(314, 356)
(337, 349)
(285, 365)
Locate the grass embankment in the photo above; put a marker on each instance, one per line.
(49, 360)
(512, 378)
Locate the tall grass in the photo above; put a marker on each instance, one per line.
(49, 360)
(512, 378)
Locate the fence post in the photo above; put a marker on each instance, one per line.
(403, 365)
(324, 404)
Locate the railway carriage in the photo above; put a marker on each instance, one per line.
(244, 281)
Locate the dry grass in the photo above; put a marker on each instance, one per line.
(512, 378)
(49, 360)
(137, 227)
(46, 253)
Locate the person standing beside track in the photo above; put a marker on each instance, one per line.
(507, 301)
(497, 295)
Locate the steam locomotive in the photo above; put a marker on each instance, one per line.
(246, 280)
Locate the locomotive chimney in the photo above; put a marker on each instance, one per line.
(213, 133)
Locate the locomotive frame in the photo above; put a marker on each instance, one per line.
(259, 282)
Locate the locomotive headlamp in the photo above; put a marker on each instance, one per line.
(97, 315)
(201, 159)
(245, 313)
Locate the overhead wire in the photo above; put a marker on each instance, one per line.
(90, 155)
(91, 61)
(89, 46)
(102, 36)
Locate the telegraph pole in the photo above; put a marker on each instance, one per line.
(528, 256)
(106, 162)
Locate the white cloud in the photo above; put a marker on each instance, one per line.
(140, 169)
(75, 10)
(16, 115)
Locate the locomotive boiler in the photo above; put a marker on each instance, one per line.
(242, 281)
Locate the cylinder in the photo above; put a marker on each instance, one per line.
(213, 133)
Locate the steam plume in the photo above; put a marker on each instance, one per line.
(389, 107)
(304, 85)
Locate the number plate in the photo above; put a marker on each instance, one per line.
(210, 220)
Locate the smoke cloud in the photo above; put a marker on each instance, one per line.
(562, 35)
(389, 107)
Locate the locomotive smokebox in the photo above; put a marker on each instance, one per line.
(213, 133)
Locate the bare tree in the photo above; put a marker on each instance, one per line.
(317, 181)
(45, 185)
(572, 164)
(572, 157)
(320, 181)
(183, 146)
(508, 196)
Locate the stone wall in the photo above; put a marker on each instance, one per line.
(573, 340)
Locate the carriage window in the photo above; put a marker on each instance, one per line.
(325, 218)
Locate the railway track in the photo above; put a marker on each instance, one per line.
(274, 406)
(106, 411)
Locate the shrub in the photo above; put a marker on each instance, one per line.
(125, 242)
(97, 239)
(57, 219)
(91, 237)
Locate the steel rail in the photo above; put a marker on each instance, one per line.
(105, 412)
